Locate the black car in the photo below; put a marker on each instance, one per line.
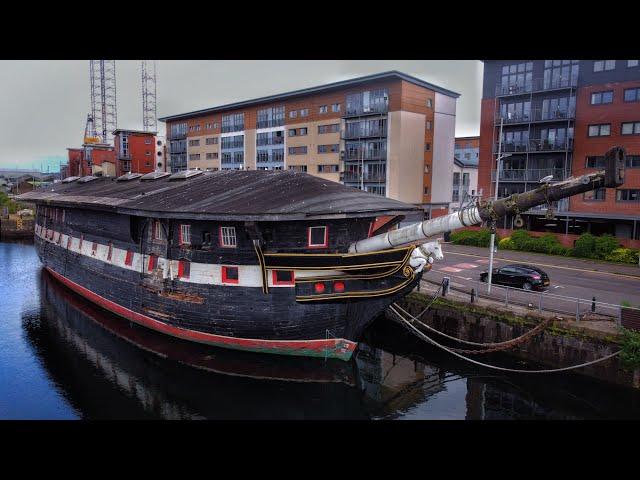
(526, 277)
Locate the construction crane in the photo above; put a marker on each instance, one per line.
(90, 131)
(102, 74)
(149, 114)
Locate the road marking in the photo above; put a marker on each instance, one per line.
(466, 265)
(634, 277)
(464, 278)
(450, 269)
(482, 260)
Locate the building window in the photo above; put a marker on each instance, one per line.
(517, 77)
(632, 161)
(595, 162)
(599, 194)
(429, 103)
(298, 150)
(297, 132)
(427, 169)
(630, 128)
(628, 195)
(211, 141)
(147, 141)
(185, 234)
(631, 94)
(228, 237)
(328, 148)
(599, 98)
(194, 156)
(128, 259)
(293, 114)
(230, 274)
(298, 168)
(335, 107)
(601, 130)
(323, 109)
(304, 112)
(603, 65)
(283, 277)
(426, 190)
(318, 237)
(184, 268)
(333, 128)
(632, 63)
(194, 143)
(328, 168)
(212, 156)
(428, 124)
(427, 147)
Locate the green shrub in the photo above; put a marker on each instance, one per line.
(506, 244)
(624, 255)
(585, 246)
(521, 239)
(476, 238)
(630, 355)
(559, 250)
(605, 245)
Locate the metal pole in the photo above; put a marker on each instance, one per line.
(493, 235)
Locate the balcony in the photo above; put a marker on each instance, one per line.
(124, 156)
(536, 115)
(559, 206)
(529, 175)
(535, 145)
(535, 85)
(232, 128)
(354, 177)
(177, 136)
(356, 132)
(356, 155)
(261, 142)
(360, 111)
(278, 122)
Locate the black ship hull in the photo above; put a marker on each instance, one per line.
(243, 318)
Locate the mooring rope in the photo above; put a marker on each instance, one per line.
(490, 347)
(495, 367)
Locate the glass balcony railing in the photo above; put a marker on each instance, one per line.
(536, 85)
(373, 108)
(368, 131)
(368, 177)
(535, 145)
(356, 155)
(536, 115)
(529, 175)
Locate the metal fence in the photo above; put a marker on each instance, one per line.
(543, 301)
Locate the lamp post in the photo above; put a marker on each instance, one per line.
(493, 235)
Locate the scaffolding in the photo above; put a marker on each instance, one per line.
(102, 74)
(149, 112)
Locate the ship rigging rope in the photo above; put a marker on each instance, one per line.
(491, 347)
(495, 367)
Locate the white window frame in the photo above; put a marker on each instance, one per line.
(185, 234)
(228, 238)
(326, 237)
(157, 230)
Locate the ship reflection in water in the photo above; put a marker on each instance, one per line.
(106, 367)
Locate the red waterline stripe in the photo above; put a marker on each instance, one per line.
(331, 346)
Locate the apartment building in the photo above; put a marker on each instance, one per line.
(465, 171)
(135, 151)
(388, 133)
(558, 117)
(92, 159)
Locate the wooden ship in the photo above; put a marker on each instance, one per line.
(266, 261)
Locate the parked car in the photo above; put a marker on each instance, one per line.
(526, 277)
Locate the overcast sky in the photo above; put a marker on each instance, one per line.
(44, 104)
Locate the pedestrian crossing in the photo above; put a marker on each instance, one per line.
(459, 267)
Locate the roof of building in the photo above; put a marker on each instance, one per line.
(317, 89)
(124, 130)
(224, 195)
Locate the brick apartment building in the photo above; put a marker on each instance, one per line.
(133, 151)
(559, 117)
(387, 133)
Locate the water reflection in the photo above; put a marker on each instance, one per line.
(105, 367)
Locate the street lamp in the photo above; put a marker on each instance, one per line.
(493, 235)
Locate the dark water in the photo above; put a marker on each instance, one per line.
(63, 358)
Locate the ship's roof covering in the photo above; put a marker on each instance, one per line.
(223, 195)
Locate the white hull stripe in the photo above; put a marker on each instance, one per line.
(203, 273)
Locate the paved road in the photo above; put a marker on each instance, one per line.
(569, 277)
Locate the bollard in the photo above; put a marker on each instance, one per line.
(473, 295)
(445, 286)
(593, 304)
(578, 310)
